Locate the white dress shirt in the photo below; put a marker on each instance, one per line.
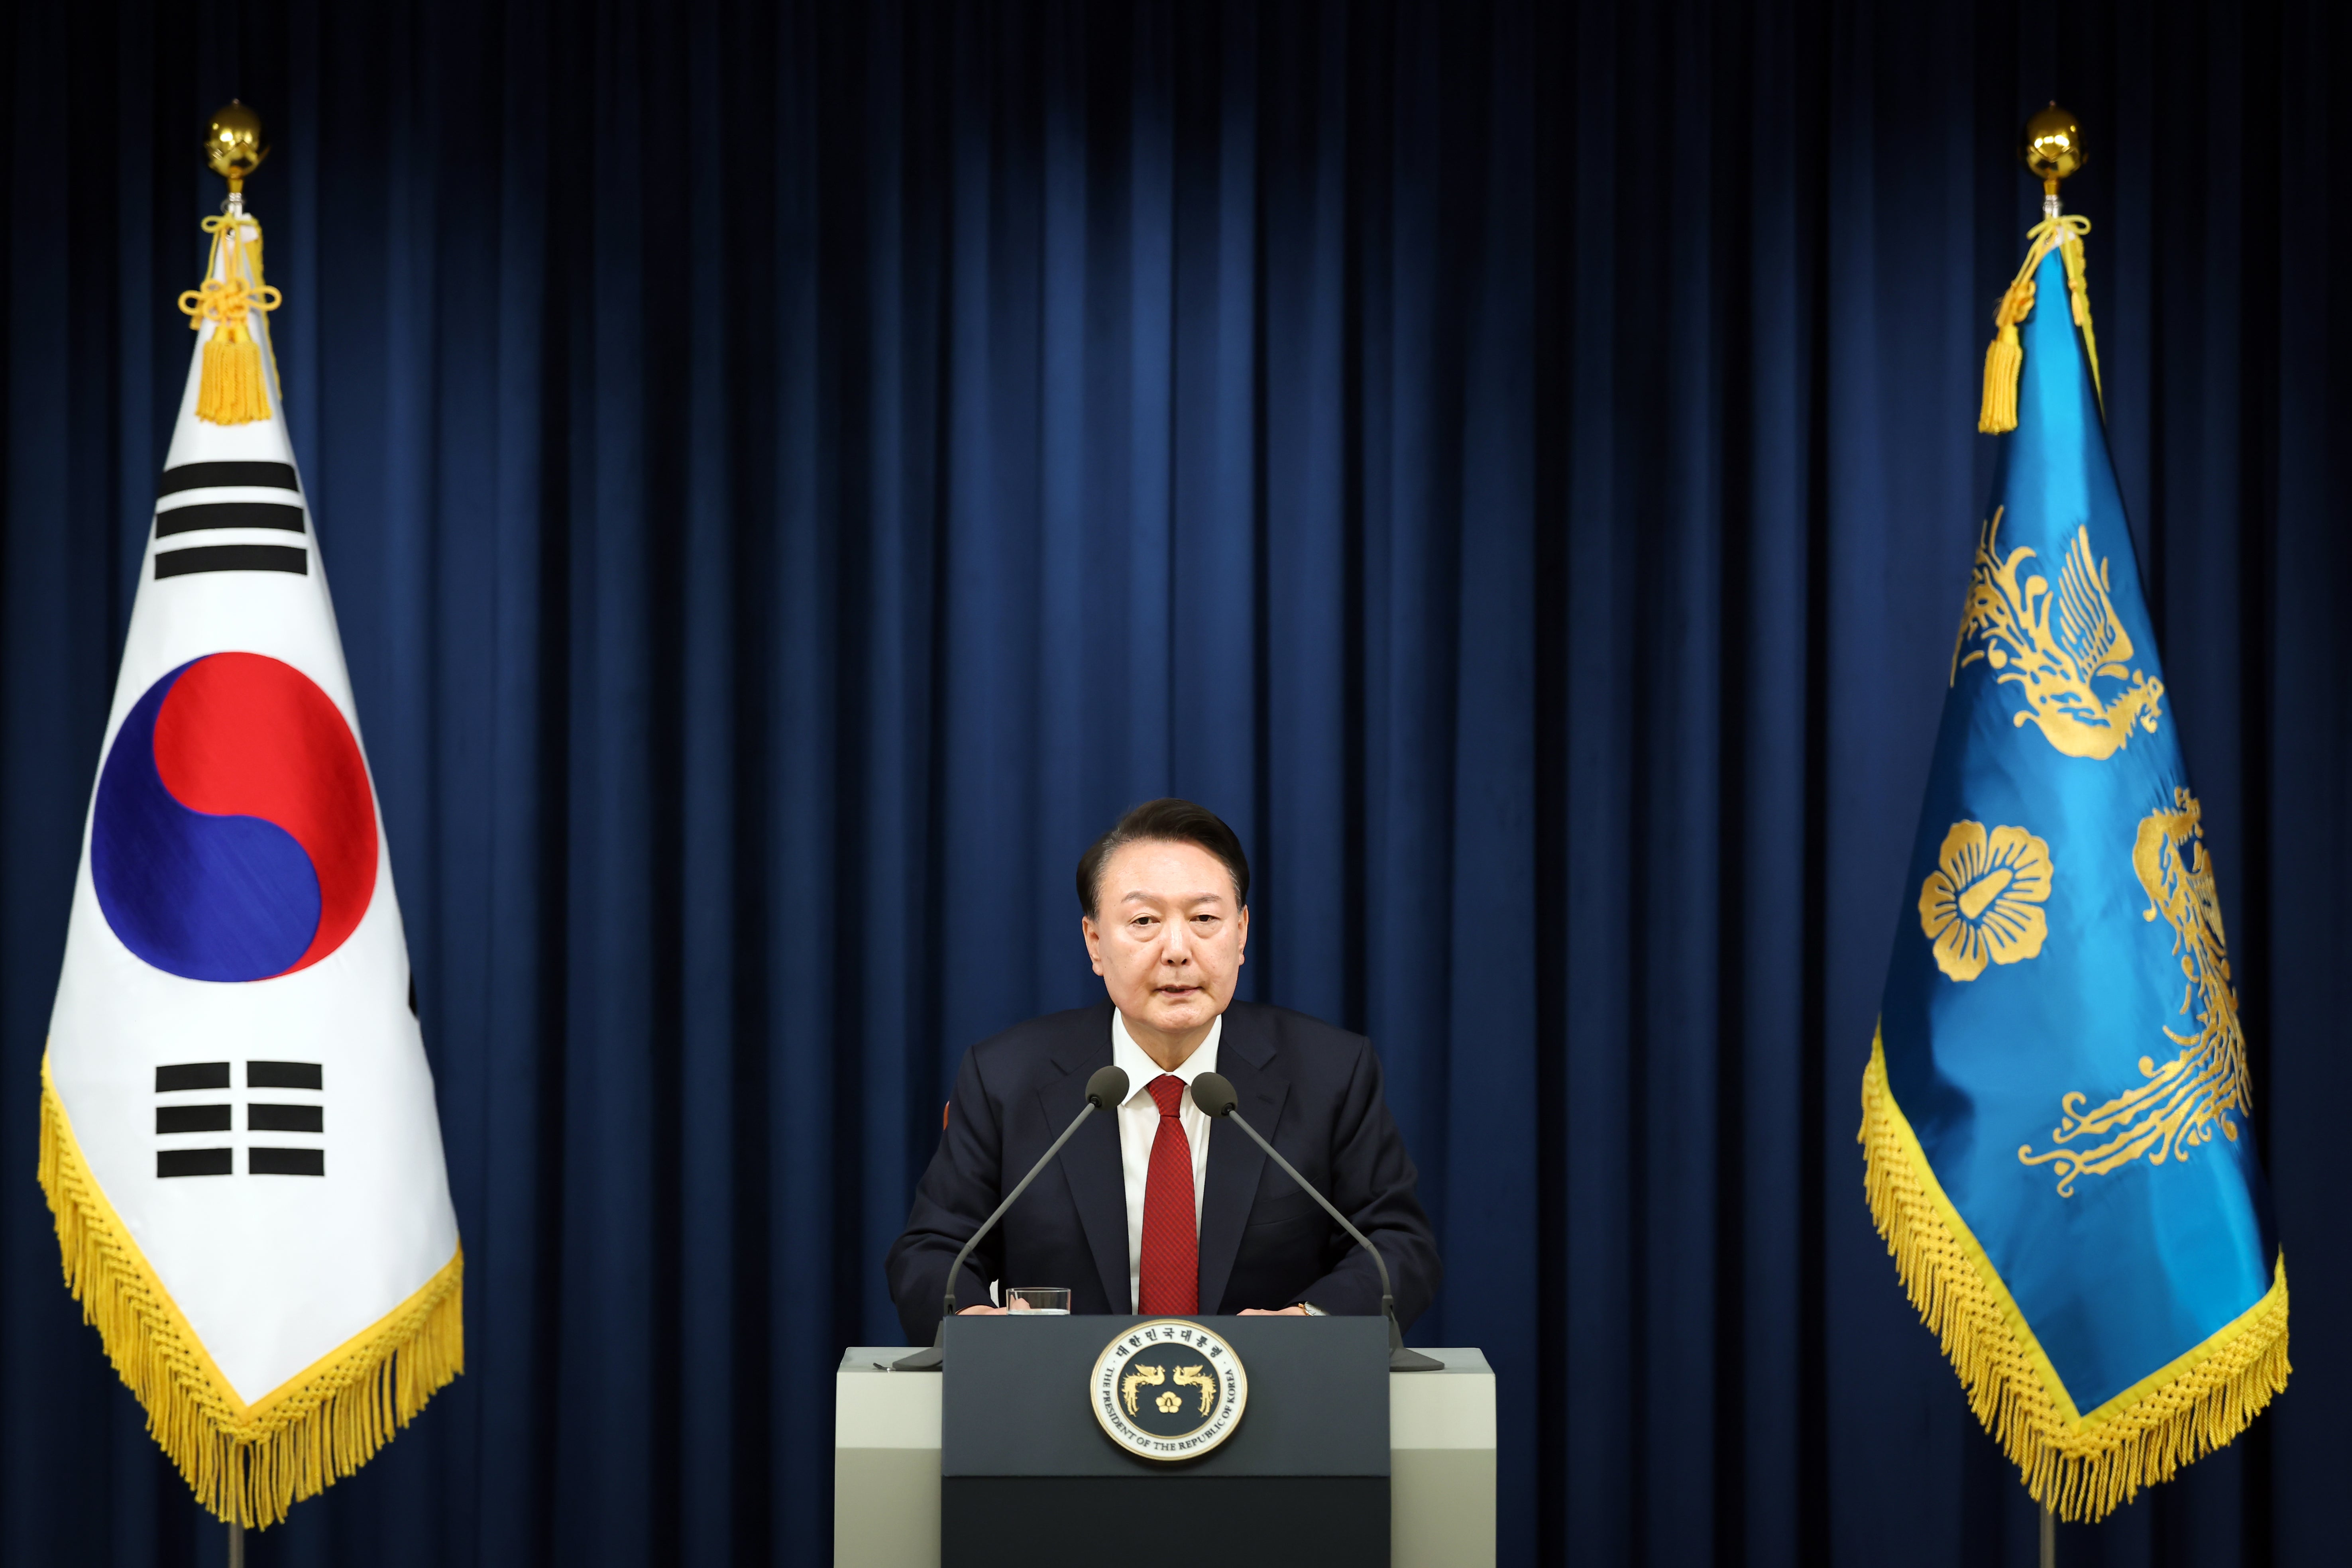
(1139, 1124)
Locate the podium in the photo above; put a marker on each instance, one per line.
(1005, 1459)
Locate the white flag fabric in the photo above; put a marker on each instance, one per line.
(239, 1140)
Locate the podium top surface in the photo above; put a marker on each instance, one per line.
(875, 1408)
(874, 1361)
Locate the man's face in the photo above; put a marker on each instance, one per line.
(1167, 936)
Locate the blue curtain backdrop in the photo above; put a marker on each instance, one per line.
(791, 474)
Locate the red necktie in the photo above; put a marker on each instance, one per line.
(1169, 1282)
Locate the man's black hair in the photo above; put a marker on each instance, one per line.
(1164, 822)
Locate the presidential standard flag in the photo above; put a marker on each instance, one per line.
(239, 1137)
(2055, 1114)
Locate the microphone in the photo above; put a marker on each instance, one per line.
(1214, 1096)
(1104, 1090)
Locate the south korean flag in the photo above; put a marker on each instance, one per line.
(238, 1135)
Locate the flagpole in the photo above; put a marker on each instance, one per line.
(233, 148)
(236, 1545)
(2053, 148)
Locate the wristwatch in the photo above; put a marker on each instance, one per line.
(1313, 1310)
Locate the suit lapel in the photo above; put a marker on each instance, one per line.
(1248, 1060)
(1090, 1160)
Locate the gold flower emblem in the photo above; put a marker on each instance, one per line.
(1982, 903)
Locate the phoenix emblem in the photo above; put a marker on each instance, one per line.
(1202, 1379)
(2055, 646)
(2201, 1089)
(1136, 1379)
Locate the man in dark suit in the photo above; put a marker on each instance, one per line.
(1145, 1210)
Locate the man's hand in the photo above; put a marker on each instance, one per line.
(1275, 1312)
(980, 1312)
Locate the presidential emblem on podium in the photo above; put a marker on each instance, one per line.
(1169, 1390)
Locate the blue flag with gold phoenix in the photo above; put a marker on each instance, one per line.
(2054, 1115)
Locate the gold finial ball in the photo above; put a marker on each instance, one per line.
(2053, 147)
(233, 145)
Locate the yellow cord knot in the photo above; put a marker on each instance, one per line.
(2005, 359)
(230, 390)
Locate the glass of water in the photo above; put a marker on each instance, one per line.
(1051, 1300)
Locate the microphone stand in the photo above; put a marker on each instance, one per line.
(1399, 1358)
(934, 1357)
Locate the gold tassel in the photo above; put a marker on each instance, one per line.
(2081, 1467)
(229, 389)
(248, 1463)
(2005, 359)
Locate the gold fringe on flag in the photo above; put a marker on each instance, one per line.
(2005, 359)
(248, 1464)
(2079, 1467)
(230, 391)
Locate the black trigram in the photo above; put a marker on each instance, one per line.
(179, 1117)
(279, 508)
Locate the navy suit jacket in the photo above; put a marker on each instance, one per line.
(1313, 1091)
